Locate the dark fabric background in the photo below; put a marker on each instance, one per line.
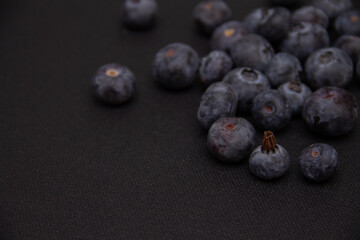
(72, 168)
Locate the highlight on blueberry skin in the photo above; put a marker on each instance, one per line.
(269, 160)
(139, 14)
(348, 23)
(218, 101)
(231, 140)
(331, 111)
(175, 66)
(113, 84)
(329, 67)
(310, 14)
(210, 14)
(318, 162)
(214, 67)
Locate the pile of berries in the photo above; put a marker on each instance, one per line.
(276, 64)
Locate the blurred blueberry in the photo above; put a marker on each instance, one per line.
(310, 14)
(139, 14)
(348, 23)
(351, 45)
(332, 8)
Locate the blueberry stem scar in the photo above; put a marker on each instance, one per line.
(295, 86)
(269, 142)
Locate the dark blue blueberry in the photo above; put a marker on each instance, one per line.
(218, 101)
(214, 67)
(329, 67)
(210, 14)
(252, 51)
(139, 14)
(175, 66)
(295, 93)
(351, 45)
(269, 160)
(332, 8)
(310, 14)
(227, 34)
(248, 83)
(113, 84)
(231, 139)
(318, 162)
(271, 23)
(282, 68)
(270, 110)
(348, 23)
(305, 38)
(330, 111)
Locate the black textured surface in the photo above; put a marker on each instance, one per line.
(72, 168)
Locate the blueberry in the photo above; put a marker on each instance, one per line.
(295, 93)
(305, 38)
(282, 68)
(310, 14)
(210, 14)
(329, 67)
(248, 83)
(330, 111)
(269, 160)
(318, 161)
(175, 66)
(348, 23)
(231, 139)
(139, 14)
(227, 34)
(332, 8)
(252, 51)
(214, 67)
(270, 110)
(113, 83)
(351, 45)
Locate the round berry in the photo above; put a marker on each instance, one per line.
(310, 14)
(139, 14)
(348, 23)
(332, 8)
(351, 45)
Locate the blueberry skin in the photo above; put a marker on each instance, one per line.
(214, 67)
(231, 140)
(310, 14)
(139, 14)
(330, 111)
(295, 94)
(224, 36)
(113, 84)
(209, 15)
(318, 162)
(351, 45)
(305, 38)
(282, 68)
(269, 164)
(332, 8)
(270, 110)
(348, 23)
(252, 51)
(175, 66)
(218, 101)
(248, 83)
(329, 67)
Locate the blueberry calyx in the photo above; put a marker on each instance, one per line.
(269, 142)
(295, 86)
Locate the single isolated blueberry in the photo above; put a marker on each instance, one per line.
(348, 23)
(224, 36)
(310, 14)
(269, 160)
(295, 93)
(210, 14)
(305, 38)
(351, 45)
(331, 111)
(113, 83)
(252, 51)
(329, 67)
(318, 162)
(231, 139)
(214, 67)
(248, 83)
(218, 101)
(282, 68)
(139, 14)
(175, 66)
(270, 110)
(332, 8)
